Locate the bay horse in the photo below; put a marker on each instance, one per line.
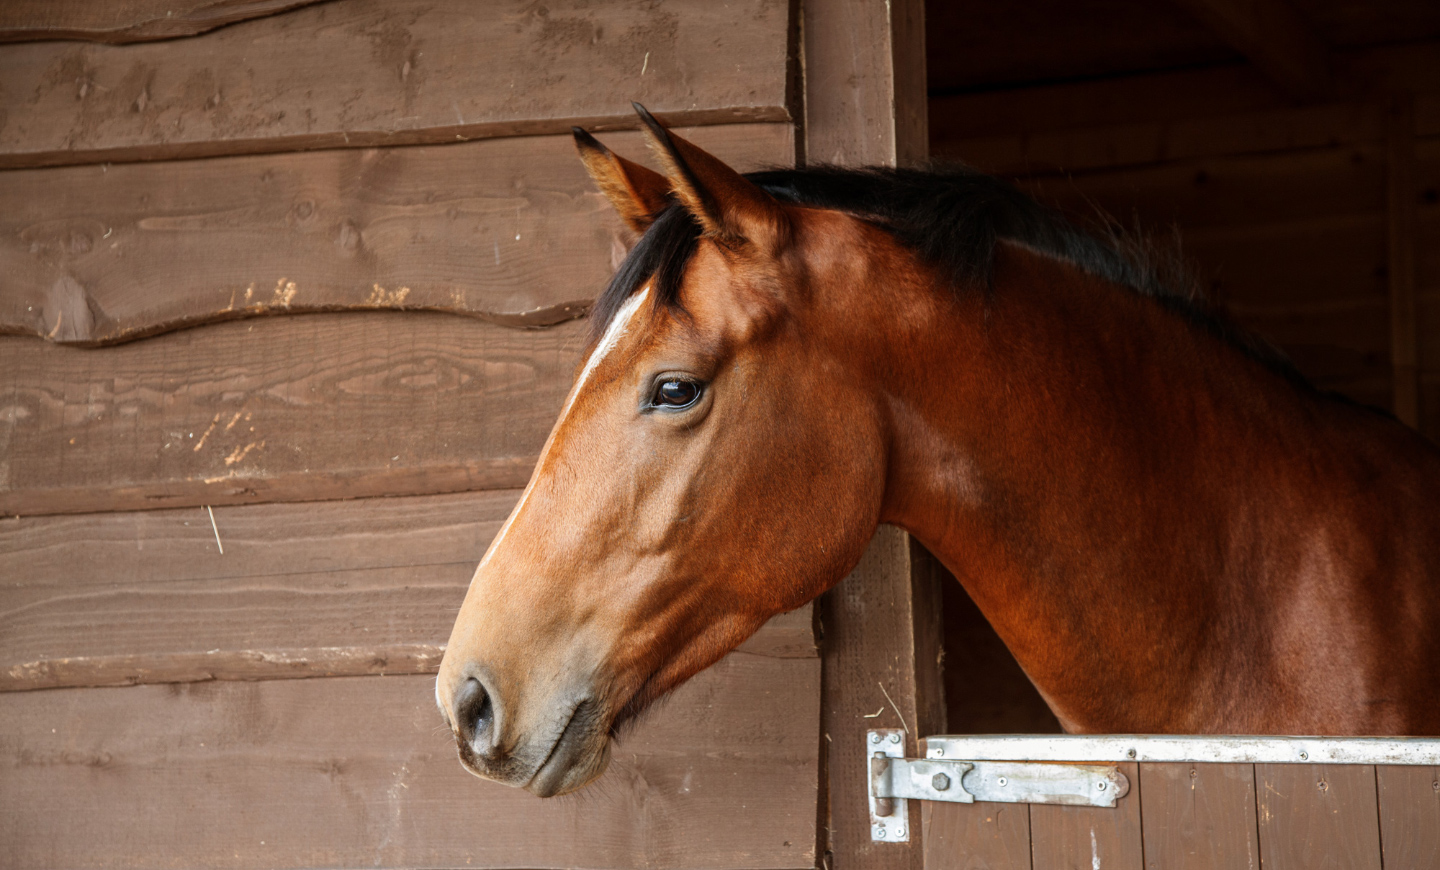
(1171, 530)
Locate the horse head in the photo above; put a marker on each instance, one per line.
(682, 498)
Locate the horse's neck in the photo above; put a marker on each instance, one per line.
(1074, 453)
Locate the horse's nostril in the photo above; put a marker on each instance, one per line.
(473, 710)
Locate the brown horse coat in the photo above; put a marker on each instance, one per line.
(1167, 526)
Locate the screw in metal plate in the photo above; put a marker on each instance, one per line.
(940, 782)
(880, 833)
(1304, 756)
(899, 832)
(894, 738)
(874, 738)
(1130, 754)
(1002, 782)
(1100, 785)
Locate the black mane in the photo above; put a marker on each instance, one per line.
(951, 218)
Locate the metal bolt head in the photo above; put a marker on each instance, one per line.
(880, 833)
(1304, 756)
(1435, 785)
(899, 832)
(940, 782)
(1002, 782)
(1100, 785)
(1130, 754)
(874, 738)
(894, 738)
(938, 752)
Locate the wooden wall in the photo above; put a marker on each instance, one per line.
(1316, 223)
(315, 270)
(1200, 816)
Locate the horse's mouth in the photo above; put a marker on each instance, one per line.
(578, 757)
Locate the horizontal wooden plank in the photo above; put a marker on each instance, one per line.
(360, 772)
(1318, 264)
(1167, 96)
(96, 551)
(392, 72)
(330, 588)
(1228, 192)
(1176, 115)
(511, 231)
(279, 409)
(127, 20)
(1140, 143)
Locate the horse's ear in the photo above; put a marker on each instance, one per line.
(638, 194)
(728, 206)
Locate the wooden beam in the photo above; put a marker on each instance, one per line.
(118, 599)
(1274, 37)
(510, 230)
(359, 772)
(1401, 226)
(121, 21)
(368, 73)
(865, 104)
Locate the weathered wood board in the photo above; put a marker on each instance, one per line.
(393, 72)
(1205, 814)
(360, 772)
(1317, 816)
(509, 230)
(330, 588)
(279, 409)
(121, 21)
(1202, 816)
(1063, 837)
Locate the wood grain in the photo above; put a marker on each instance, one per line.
(1227, 192)
(1173, 115)
(1401, 233)
(1317, 816)
(331, 588)
(360, 772)
(1081, 837)
(279, 409)
(978, 836)
(127, 20)
(511, 231)
(375, 72)
(863, 106)
(1139, 143)
(1199, 816)
(874, 635)
(1409, 815)
(1276, 38)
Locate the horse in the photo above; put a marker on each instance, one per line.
(1168, 526)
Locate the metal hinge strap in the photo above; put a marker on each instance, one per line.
(894, 779)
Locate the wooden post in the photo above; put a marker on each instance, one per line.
(864, 73)
(865, 104)
(1401, 230)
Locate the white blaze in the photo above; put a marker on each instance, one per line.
(619, 325)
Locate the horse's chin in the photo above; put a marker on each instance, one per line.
(572, 770)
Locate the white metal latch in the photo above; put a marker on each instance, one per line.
(894, 779)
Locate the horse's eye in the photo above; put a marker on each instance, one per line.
(675, 393)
